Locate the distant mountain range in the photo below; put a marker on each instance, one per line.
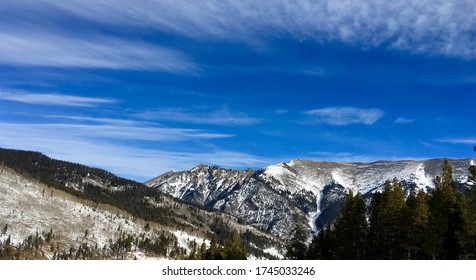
(312, 192)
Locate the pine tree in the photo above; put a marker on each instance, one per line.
(417, 225)
(351, 229)
(193, 253)
(214, 252)
(387, 219)
(314, 251)
(233, 249)
(471, 214)
(447, 219)
(201, 255)
(322, 246)
(297, 248)
(376, 228)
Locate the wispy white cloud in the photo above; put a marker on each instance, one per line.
(351, 157)
(341, 157)
(132, 131)
(48, 49)
(437, 27)
(471, 141)
(402, 120)
(344, 115)
(54, 99)
(88, 145)
(222, 116)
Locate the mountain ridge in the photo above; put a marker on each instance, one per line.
(311, 190)
(137, 220)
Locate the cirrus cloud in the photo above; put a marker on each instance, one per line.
(48, 49)
(221, 116)
(54, 99)
(436, 27)
(345, 115)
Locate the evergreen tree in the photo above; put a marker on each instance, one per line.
(387, 219)
(314, 251)
(351, 229)
(417, 225)
(193, 253)
(322, 246)
(471, 214)
(447, 219)
(232, 247)
(201, 255)
(214, 252)
(297, 248)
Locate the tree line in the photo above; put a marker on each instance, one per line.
(232, 249)
(436, 225)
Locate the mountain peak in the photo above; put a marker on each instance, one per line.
(313, 190)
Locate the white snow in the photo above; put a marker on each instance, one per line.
(278, 171)
(185, 240)
(28, 207)
(340, 178)
(273, 251)
(422, 180)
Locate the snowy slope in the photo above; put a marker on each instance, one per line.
(28, 207)
(272, 197)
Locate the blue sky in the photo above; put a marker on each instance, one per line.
(143, 87)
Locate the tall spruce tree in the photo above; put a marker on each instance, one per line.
(232, 247)
(447, 219)
(471, 214)
(314, 251)
(296, 248)
(387, 218)
(417, 225)
(214, 252)
(351, 229)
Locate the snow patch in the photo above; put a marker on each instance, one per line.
(339, 178)
(185, 240)
(273, 251)
(277, 171)
(421, 179)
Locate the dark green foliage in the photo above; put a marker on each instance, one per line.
(438, 225)
(214, 252)
(232, 249)
(417, 225)
(351, 229)
(296, 248)
(447, 220)
(387, 218)
(471, 214)
(323, 245)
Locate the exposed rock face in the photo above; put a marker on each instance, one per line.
(273, 197)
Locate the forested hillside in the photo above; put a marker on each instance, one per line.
(96, 187)
(440, 224)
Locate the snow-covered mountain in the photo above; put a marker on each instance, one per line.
(56, 209)
(272, 198)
